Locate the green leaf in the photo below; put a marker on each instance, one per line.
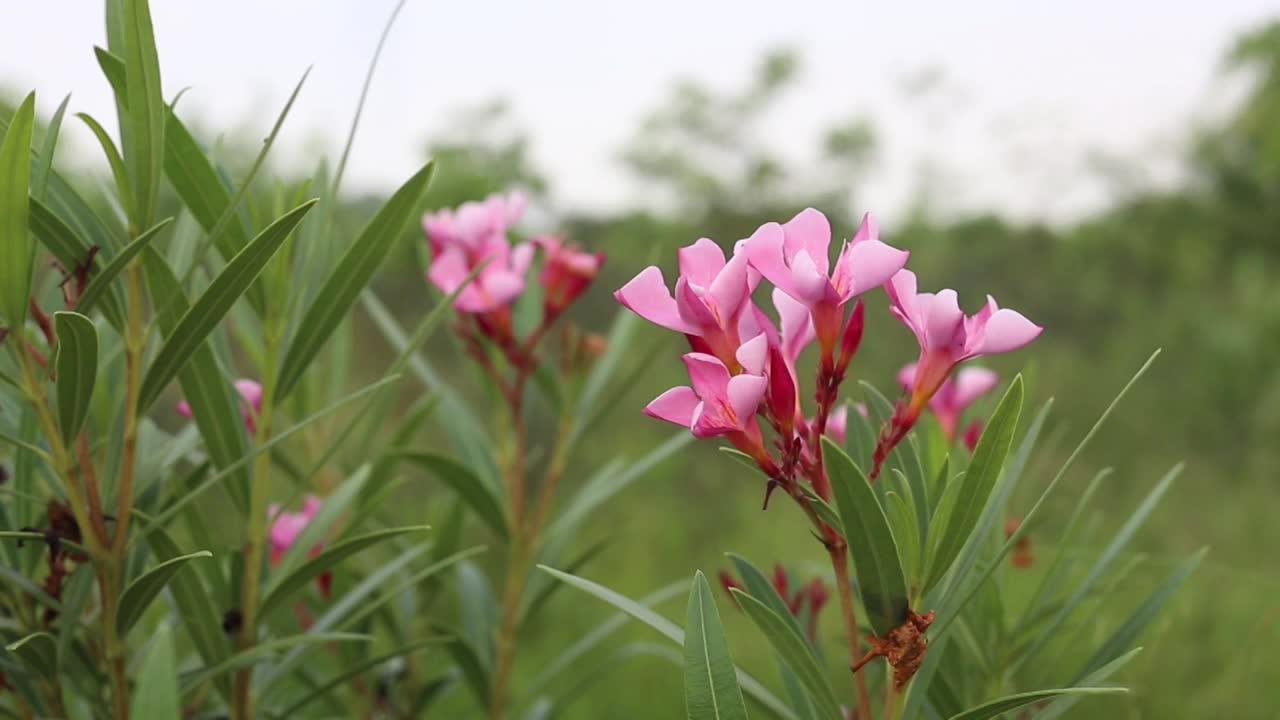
(478, 496)
(259, 653)
(38, 651)
(72, 251)
(1128, 632)
(77, 364)
(822, 508)
(350, 674)
(143, 591)
(948, 533)
(157, 693)
(15, 236)
(114, 161)
(74, 599)
(196, 606)
(876, 562)
(101, 281)
(671, 631)
(207, 311)
(762, 589)
(353, 272)
(1060, 705)
(711, 690)
(215, 405)
(996, 708)
(43, 167)
(793, 651)
(144, 153)
(1100, 566)
(285, 586)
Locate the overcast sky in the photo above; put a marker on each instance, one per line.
(1033, 89)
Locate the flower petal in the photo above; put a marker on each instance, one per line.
(708, 375)
(797, 324)
(753, 353)
(701, 261)
(1006, 330)
(729, 290)
(745, 392)
(942, 318)
(901, 289)
(676, 405)
(764, 251)
(810, 231)
(692, 308)
(971, 383)
(647, 296)
(865, 265)
(808, 281)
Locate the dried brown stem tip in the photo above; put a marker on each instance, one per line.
(904, 647)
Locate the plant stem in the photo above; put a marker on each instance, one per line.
(135, 344)
(517, 574)
(840, 564)
(242, 707)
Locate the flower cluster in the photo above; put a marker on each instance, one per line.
(472, 254)
(743, 366)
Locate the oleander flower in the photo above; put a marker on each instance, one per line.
(288, 526)
(476, 233)
(250, 402)
(955, 394)
(566, 272)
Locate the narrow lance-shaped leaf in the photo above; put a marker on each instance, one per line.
(876, 562)
(42, 168)
(143, 591)
(316, 566)
(478, 496)
(114, 161)
(101, 281)
(207, 311)
(1128, 631)
(353, 272)
(77, 365)
(794, 652)
(672, 632)
(15, 237)
(976, 486)
(39, 651)
(996, 708)
(215, 405)
(157, 693)
(72, 251)
(144, 149)
(711, 690)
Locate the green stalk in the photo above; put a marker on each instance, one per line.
(242, 708)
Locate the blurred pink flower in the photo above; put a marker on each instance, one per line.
(710, 296)
(955, 395)
(251, 402)
(566, 272)
(474, 233)
(947, 336)
(285, 531)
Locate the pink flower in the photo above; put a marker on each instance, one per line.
(717, 403)
(285, 531)
(566, 272)
(474, 233)
(947, 337)
(251, 402)
(794, 257)
(955, 395)
(710, 296)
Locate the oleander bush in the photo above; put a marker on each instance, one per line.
(217, 509)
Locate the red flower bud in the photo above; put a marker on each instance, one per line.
(782, 392)
(852, 336)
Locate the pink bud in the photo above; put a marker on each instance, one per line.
(782, 391)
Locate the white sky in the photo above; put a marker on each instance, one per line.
(1033, 88)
